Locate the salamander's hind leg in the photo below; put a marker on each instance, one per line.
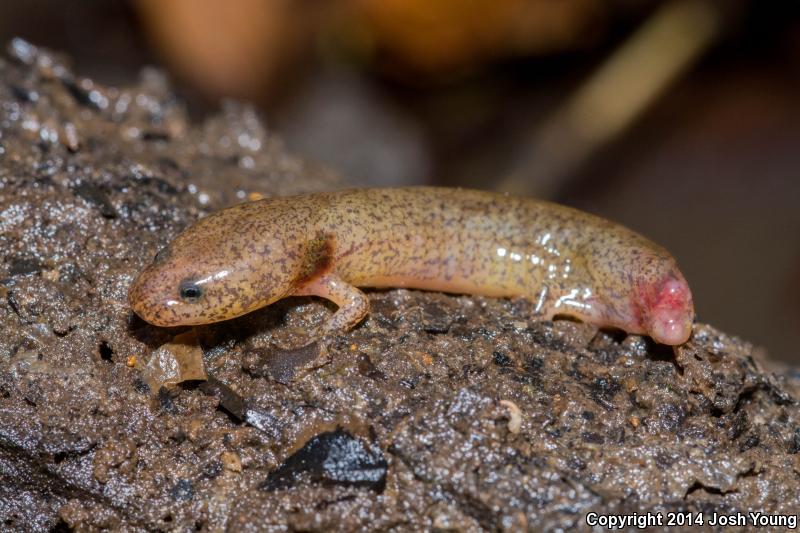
(353, 304)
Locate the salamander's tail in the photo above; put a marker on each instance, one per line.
(670, 311)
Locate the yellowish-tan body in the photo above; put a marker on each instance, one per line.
(453, 240)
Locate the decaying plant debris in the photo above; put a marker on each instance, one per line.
(439, 412)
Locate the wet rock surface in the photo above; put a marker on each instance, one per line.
(438, 412)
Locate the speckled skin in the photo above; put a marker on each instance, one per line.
(454, 240)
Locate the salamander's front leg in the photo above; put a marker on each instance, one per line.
(353, 304)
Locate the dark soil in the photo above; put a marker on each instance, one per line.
(437, 413)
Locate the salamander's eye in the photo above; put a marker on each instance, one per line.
(190, 291)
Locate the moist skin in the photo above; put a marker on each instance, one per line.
(565, 261)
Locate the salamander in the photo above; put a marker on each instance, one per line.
(565, 261)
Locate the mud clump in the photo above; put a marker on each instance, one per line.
(438, 412)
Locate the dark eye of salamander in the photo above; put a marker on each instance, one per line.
(190, 291)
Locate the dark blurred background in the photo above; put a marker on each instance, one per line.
(680, 119)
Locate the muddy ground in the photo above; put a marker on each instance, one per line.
(437, 413)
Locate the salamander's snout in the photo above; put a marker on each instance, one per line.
(670, 311)
(147, 299)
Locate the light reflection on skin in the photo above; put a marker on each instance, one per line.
(552, 248)
(222, 274)
(542, 299)
(575, 299)
(533, 258)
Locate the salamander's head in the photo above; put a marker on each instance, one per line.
(220, 268)
(666, 308)
(181, 289)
